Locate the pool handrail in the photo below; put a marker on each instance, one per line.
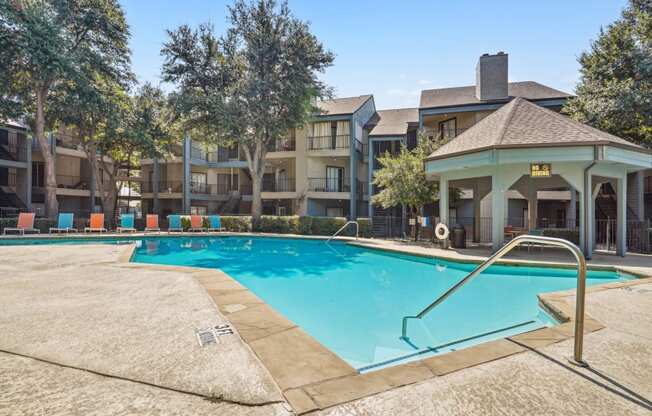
(357, 230)
(550, 241)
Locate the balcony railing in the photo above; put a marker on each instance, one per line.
(363, 189)
(71, 182)
(282, 145)
(329, 185)
(279, 185)
(163, 187)
(342, 141)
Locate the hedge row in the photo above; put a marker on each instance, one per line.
(567, 234)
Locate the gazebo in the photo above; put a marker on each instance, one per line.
(526, 148)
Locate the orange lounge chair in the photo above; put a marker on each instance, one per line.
(197, 223)
(97, 223)
(152, 223)
(25, 223)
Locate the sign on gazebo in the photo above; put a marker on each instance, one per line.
(540, 170)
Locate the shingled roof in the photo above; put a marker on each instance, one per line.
(521, 123)
(394, 122)
(342, 106)
(445, 97)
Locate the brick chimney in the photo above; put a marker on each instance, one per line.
(491, 77)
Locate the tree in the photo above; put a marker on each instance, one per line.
(616, 77)
(251, 86)
(46, 43)
(402, 178)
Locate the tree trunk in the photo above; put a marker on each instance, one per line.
(107, 193)
(51, 203)
(256, 162)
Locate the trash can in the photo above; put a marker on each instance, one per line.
(458, 239)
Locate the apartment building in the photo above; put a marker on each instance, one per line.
(320, 169)
(22, 173)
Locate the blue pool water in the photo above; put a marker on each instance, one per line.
(353, 299)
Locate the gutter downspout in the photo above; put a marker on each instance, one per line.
(588, 200)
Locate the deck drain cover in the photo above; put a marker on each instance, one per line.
(211, 335)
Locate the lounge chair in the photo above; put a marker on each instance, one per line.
(214, 223)
(65, 223)
(152, 223)
(174, 223)
(25, 224)
(536, 232)
(96, 223)
(126, 223)
(197, 223)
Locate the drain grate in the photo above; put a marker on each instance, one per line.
(211, 335)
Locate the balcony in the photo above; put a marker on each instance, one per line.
(163, 187)
(279, 185)
(329, 185)
(282, 145)
(71, 182)
(342, 141)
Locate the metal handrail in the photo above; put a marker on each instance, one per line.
(357, 230)
(556, 242)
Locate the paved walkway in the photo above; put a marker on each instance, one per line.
(78, 308)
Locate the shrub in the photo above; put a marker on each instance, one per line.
(304, 225)
(326, 225)
(567, 234)
(185, 223)
(236, 223)
(276, 224)
(365, 227)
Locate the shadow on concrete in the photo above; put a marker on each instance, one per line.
(607, 382)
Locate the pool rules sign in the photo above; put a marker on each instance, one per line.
(540, 170)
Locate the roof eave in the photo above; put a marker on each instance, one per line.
(535, 146)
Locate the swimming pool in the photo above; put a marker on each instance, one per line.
(353, 299)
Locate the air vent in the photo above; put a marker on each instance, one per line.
(211, 335)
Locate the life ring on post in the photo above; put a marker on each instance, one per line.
(441, 231)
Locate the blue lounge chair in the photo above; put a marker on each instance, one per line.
(65, 223)
(174, 223)
(126, 223)
(214, 223)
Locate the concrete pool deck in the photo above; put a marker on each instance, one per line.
(84, 317)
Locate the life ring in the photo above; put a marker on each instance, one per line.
(441, 231)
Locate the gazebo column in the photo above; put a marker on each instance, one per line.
(443, 200)
(532, 206)
(498, 207)
(621, 216)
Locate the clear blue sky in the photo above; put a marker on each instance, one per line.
(394, 49)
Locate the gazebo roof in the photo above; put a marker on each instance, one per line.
(521, 123)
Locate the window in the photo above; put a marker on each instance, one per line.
(38, 174)
(334, 212)
(281, 211)
(197, 210)
(334, 179)
(198, 182)
(448, 128)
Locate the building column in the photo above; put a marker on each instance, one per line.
(497, 212)
(589, 216)
(621, 216)
(156, 180)
(353, 167)
(571, 209)
(443, 200)
(185, 189)
(532, 206)
(27, 186)
(370, 175)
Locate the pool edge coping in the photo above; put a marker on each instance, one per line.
(323, 379)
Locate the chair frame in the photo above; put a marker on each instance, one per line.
(152, 229)
(175, 229)
(95, 230)
(126, 229)
(198, 229)
(22, 230)
(211, 229)
(63, 229)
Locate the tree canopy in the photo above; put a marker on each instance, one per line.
(615, 89)
(250, 86)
